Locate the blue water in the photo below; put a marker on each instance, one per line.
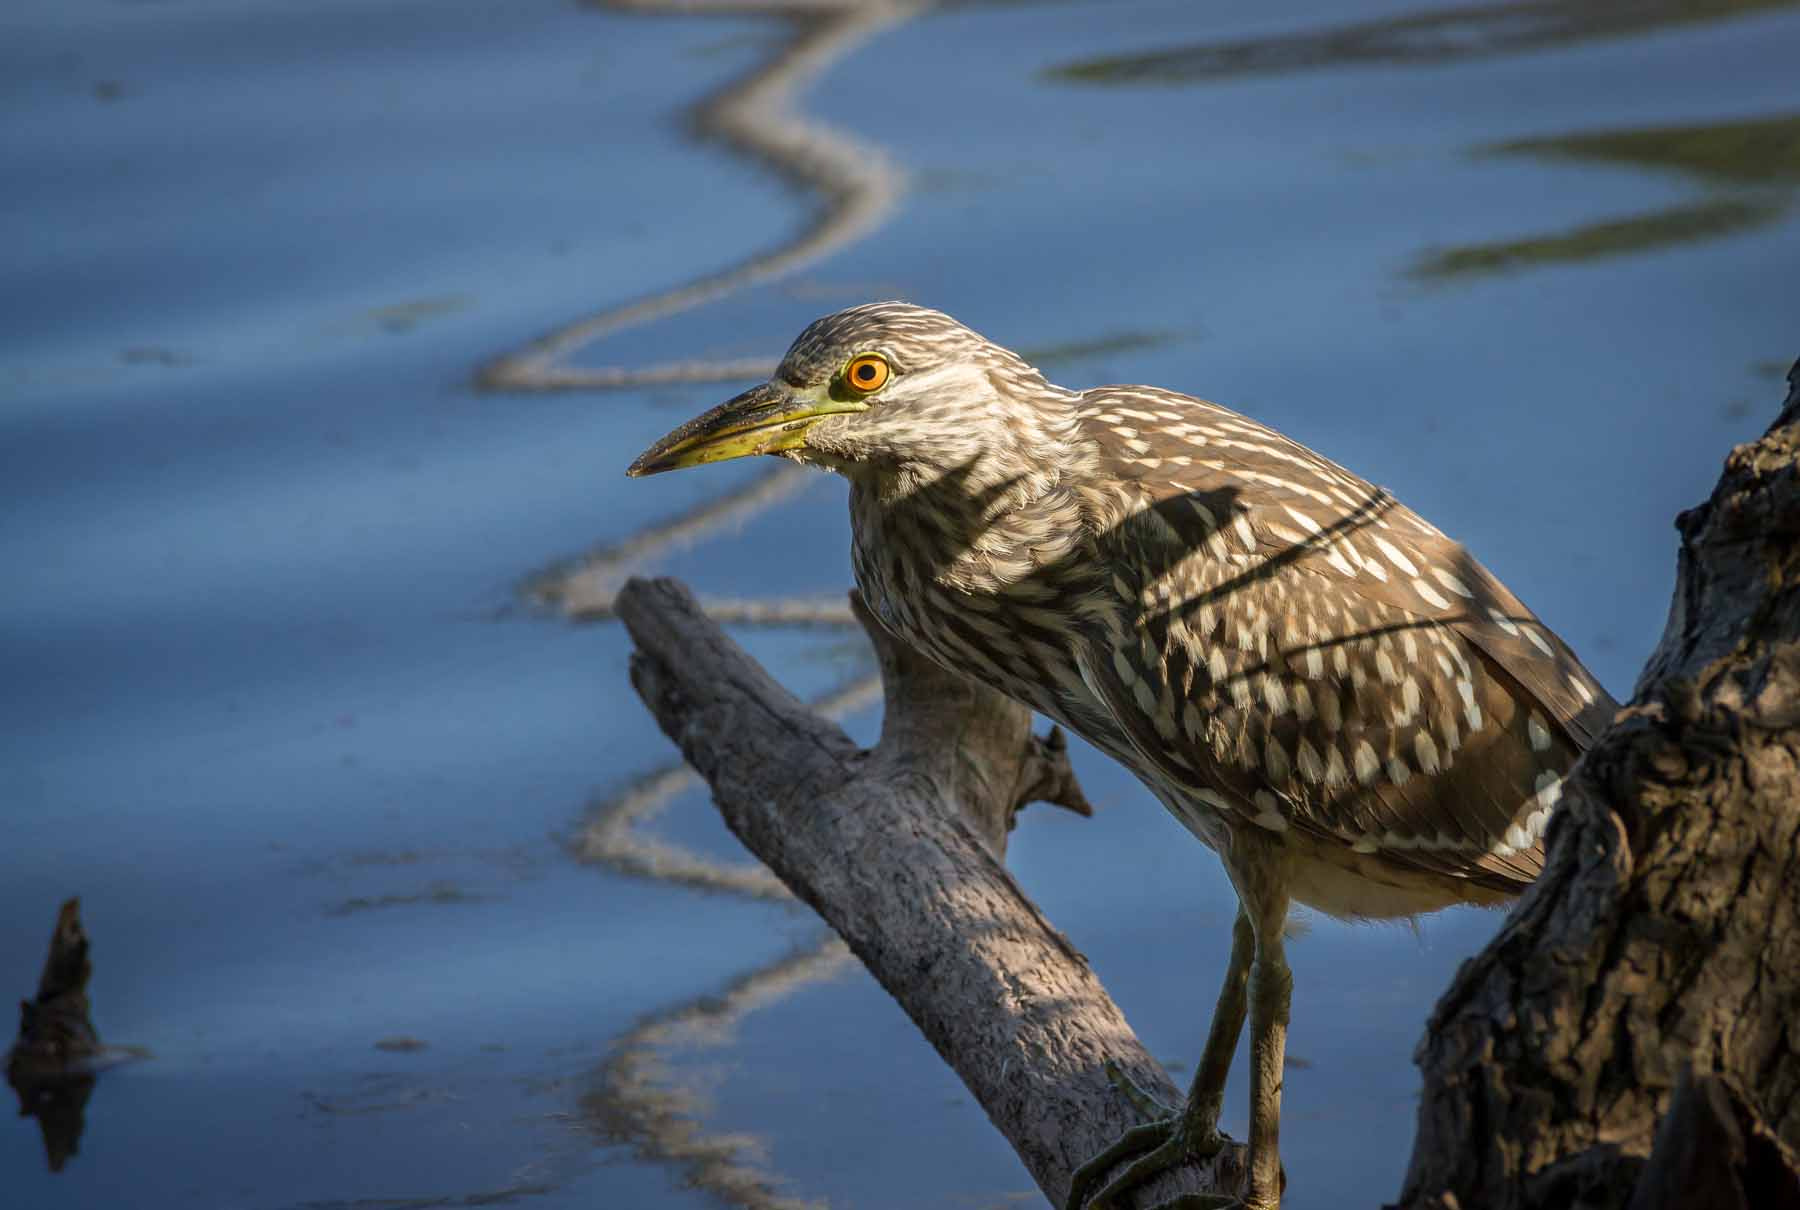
(274, 708)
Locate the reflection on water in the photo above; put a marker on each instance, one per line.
(1615, 237)
(59, 1104)
(1431, 37)
(1761, 151)
(1754, 151)
(1049, 357)
(583, 588)
(613, 834)
(855, 181)
(1749, 163)
(640, 1097)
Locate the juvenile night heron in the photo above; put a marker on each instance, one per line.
(1326, 690)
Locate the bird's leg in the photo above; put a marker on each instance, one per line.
(1271, 992)
(1172, 1139)
(1200, 1119)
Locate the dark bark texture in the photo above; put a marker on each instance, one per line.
(1714, 1151)
(1652, 974)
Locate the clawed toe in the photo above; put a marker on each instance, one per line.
(1154, 1148)
(1134, 1142)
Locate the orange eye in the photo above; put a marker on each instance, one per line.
(867, 373)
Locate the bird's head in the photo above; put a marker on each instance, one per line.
(884, 385)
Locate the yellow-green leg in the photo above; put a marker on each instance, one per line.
(1171, 1139)
(1271, 994)
(1258, 971)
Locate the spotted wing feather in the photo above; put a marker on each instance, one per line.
(1291, 641)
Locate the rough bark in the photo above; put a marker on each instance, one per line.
(900, 849)
(1660, 950)
(1714, 1150)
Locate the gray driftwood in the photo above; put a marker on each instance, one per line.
(900, 849)
(1651, 978)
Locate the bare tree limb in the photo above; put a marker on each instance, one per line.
(900, 849)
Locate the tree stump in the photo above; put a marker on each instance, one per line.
(1662, 942)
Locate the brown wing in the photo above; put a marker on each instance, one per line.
(1292, 641)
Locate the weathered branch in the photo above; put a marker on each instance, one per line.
(1661, 947)
(899, 848)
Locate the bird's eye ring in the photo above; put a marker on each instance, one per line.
(867, 373)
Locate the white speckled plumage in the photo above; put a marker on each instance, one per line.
(1010, 528)
(1318, 683)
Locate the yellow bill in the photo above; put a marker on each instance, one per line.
(763, 420)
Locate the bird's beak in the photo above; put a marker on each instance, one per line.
(763, 420)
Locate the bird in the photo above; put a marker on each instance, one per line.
(1320, 685)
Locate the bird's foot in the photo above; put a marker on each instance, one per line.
(1167, 1140)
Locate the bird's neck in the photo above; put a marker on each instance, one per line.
(989, 523)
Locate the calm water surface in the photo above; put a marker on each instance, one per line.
(276, 707)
